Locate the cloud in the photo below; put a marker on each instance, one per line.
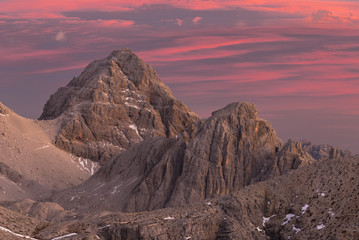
(325, 16)
(60, 36)
(196, 20)
(114, 23)
(179, 22)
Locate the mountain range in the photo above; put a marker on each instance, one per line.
(115, 155)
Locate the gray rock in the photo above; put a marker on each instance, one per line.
(324, 151)
(290, 157)
(229, 151)
(115, 103)
(319, 201)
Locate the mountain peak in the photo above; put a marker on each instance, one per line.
(126, 96)
(243, 109)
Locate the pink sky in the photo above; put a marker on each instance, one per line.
(298, 60)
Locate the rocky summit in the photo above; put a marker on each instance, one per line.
(115, 155)
(115, 103)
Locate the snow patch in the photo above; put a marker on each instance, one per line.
(321, 226)
(115, 189)
(288, 217)
(43, 147)
(134, 127)
(296, 230)
(131, 182)
(86, 165)
(266, 219)
(331, 213)
(131, 105)
(209, 203)
(98, 186)
(258, 229)
(77, 196)
(15, 234)
(304, 208)
(104, 227)
(65, 236)
(168, 218)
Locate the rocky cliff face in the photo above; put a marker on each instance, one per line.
(290, 157)
(324, 151)
(229, 151)
(115, 103)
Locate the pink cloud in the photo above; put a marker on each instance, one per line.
(196, 20)
(113, 23)
(344, 9)
(61, 36)
(23, 53)
(186, 45)
(59, 69)
(179, 22)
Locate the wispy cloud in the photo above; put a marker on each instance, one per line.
(60, 36)
(196, 20)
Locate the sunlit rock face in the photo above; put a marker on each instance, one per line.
(115, 103)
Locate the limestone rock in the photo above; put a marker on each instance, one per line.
(324, 151)
(229, 151)
(290, 157)
(115, 103)
(140, 178)
(319, 201)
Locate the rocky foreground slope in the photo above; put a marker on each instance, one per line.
(319, 201)
(30, 165)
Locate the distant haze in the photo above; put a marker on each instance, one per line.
(298, 61)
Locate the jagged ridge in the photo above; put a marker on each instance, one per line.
(115, 103)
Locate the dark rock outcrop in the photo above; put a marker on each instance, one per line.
(115, 103)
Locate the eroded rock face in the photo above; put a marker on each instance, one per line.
(324, 151)
(229, 151)
(115, 103)
(290, 157)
